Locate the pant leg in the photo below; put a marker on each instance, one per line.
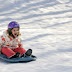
(8, 52)
(20, 50)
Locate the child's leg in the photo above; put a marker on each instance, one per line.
(8, 52)
(20, 50)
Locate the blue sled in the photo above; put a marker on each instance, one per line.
(17, 60)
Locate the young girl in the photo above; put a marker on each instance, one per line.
(10, 42)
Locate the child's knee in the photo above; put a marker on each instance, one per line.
(7, 51)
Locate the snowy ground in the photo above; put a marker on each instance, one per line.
(46, 27)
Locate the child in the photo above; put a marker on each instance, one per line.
(10, 42)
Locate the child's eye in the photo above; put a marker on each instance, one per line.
(14, 30)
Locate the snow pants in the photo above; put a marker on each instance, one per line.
(9, 52)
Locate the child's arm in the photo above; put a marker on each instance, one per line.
(20, 44)
(2, 40)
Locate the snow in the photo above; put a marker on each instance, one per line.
(46, 27)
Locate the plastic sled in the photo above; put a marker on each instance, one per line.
(17, 60)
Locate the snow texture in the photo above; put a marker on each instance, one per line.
(46, 27)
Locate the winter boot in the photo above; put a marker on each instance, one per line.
(28, 53)
(16, 55)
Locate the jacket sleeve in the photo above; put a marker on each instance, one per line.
(2, 40)
(20, 43)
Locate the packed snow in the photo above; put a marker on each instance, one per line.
(46, 28)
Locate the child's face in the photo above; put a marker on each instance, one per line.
(15, 32)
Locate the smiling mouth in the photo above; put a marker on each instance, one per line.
(15, 34)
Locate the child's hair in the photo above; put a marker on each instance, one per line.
(9, 31)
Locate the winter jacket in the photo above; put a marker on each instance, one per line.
(10, 42)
